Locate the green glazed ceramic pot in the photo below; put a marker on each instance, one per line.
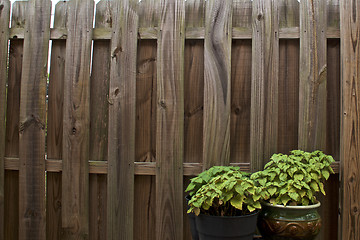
(277, 222)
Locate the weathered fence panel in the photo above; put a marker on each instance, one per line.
(4, 38)
(158, 91)
(350, 124)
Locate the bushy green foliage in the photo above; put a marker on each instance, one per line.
(230, 193)
(295, 178)
(203, 178)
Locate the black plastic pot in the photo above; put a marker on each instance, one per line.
(229, 228)
(191, 216)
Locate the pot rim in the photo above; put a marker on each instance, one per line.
(255, 212)
(316, 205)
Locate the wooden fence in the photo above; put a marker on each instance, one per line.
(159, 90)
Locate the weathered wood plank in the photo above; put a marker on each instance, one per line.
(145, 139)
(4, 38)
(217, 83)
(194, 84)
(122, 113)
(264, 82)
(350, 124)
(12, 124)
(55, 126)
(240, 84)
(32, 218)
(193, 94)
(75, 175)
(312, 85)
(288, 112)
(99, 110)
(170, 120)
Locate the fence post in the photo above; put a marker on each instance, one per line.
(350, 122)
(4, 38)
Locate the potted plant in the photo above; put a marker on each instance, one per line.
(227, 206)
(196, 183)
(292, 182)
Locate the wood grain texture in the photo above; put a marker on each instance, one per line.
(350, 124)
(32, 218)
(264, 83)
(330, 202)
(240, 84)
(55, 126)
(99, 110)
(4, 38)
(170, 120)
(288, 112)
(313, 71)
(12, 124)
(75, 175)
(217, 83)
(122, 113)
(194, 85)
(145, 139)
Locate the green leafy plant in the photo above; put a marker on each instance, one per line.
(294, 179)
(203, 178)
(231, 193)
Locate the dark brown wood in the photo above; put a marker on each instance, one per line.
(145, 139)
(350, 124)
(32, 218)
(55, 126)
(313, 70)
(170, 120)
(75, 175)
(4, 37)
(12, 124)
(99, 110)
(264, 83)
(122, 112)
(288, 112)
(217, 83)
(240, 85)
(194, 85)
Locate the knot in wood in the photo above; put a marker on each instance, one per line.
(162, 104)
(260, 16)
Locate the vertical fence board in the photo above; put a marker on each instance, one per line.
(350, 125)
(145, 140)
(55, 126)
(99, 110)
(312, 82)
(122, 95)
(193, 84)
(122, 112)
(193, 93)
(217, 83)
(170, 120)
(312, 86)
(264, 85)
(288, 112)
(240, 84)
(4, 38)
(12, 124)
(330, 203)
(32, 121)
(75, 176)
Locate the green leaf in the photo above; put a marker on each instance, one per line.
(283, 177)
(326, 174)
(299, 176)
(273, 201)
(251, 209)
(197, 211)
(305, 201)
(257, 205)
(285, 199)
(272, 190)
(314, 186)
(294, 196)
(321, 185)
(237, 201)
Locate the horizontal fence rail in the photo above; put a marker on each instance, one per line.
(142, 95)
